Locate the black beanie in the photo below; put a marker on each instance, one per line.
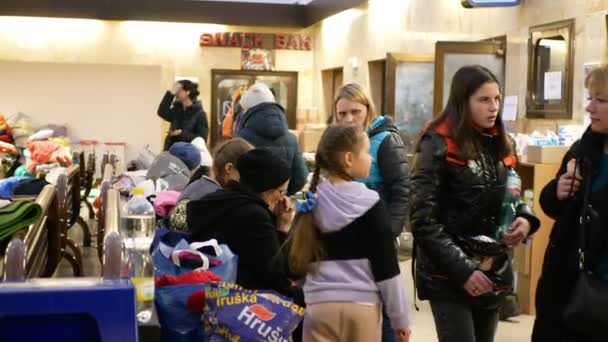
(262, 170)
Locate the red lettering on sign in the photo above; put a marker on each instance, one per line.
(206, 39)
(234, 40)
(259, 40)
(220, 39)
(294, 42)
(306, 43)
(280, 41)
(246, 40)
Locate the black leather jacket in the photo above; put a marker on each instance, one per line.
(452, 199)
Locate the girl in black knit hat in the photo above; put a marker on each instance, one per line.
(252, 217)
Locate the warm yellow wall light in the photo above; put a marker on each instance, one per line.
(169, 35)
(41, 31)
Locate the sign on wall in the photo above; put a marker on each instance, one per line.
(489, 3)
(249, 40)
(257, 59)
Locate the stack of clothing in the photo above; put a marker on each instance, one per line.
(46, 150)
(22, 128)
(8, 151)
(15, 217)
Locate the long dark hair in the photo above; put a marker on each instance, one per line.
(305, 246)
(191, 87)
(457, 113)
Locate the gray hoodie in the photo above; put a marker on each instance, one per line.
(361, 262)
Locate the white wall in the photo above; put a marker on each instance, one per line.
(414, 26)
(172, 48)
(108, 103)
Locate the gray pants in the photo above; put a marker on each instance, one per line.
(464, 321)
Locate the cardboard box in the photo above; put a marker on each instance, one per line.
(310, 136)
(546, 154)
(305, 116)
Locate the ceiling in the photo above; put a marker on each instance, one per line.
(270, 13)
(276, 2)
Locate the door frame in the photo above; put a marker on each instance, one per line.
(392, 61)
(473, 48)
(292, 97)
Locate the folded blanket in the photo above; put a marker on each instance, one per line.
(17, 216)
(8, 185)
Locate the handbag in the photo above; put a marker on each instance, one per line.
(585, 312)
(490, 256)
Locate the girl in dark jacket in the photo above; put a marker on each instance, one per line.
(252, 217)
(342, 241)
(458, 184)
(389, 172)
(583, 173)
(186, 115)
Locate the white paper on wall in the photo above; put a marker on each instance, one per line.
(509, 110)
(553, 85)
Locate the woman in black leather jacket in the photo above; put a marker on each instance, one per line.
(458, 184)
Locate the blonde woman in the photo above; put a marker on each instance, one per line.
(582, 178)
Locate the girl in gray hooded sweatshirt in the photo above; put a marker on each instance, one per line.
(342, 241)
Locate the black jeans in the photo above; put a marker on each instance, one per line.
(388, 334)
(464, 321)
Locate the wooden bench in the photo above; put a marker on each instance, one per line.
(101, 216)
(36, 253)
(87, 177)
(68, 196)
(109, 159)
(112, 242)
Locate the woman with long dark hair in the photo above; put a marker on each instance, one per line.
(458, 185)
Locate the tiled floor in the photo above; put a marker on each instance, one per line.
(519, 330)
(423, 330)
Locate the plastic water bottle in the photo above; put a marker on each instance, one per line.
(508, 209)
(137, 231)
(529, 198)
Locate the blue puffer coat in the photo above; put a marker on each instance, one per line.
(389, 173)
(265, 126)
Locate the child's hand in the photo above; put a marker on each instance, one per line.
(285, 213)
(403, 335)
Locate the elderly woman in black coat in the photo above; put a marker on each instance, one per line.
(583, 177)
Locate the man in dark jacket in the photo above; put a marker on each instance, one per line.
(186, 115)
(264, 125)
(242, 216)
(389, 173)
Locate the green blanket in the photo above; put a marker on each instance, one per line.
(17, 216)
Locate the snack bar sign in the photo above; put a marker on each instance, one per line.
(248, 40)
